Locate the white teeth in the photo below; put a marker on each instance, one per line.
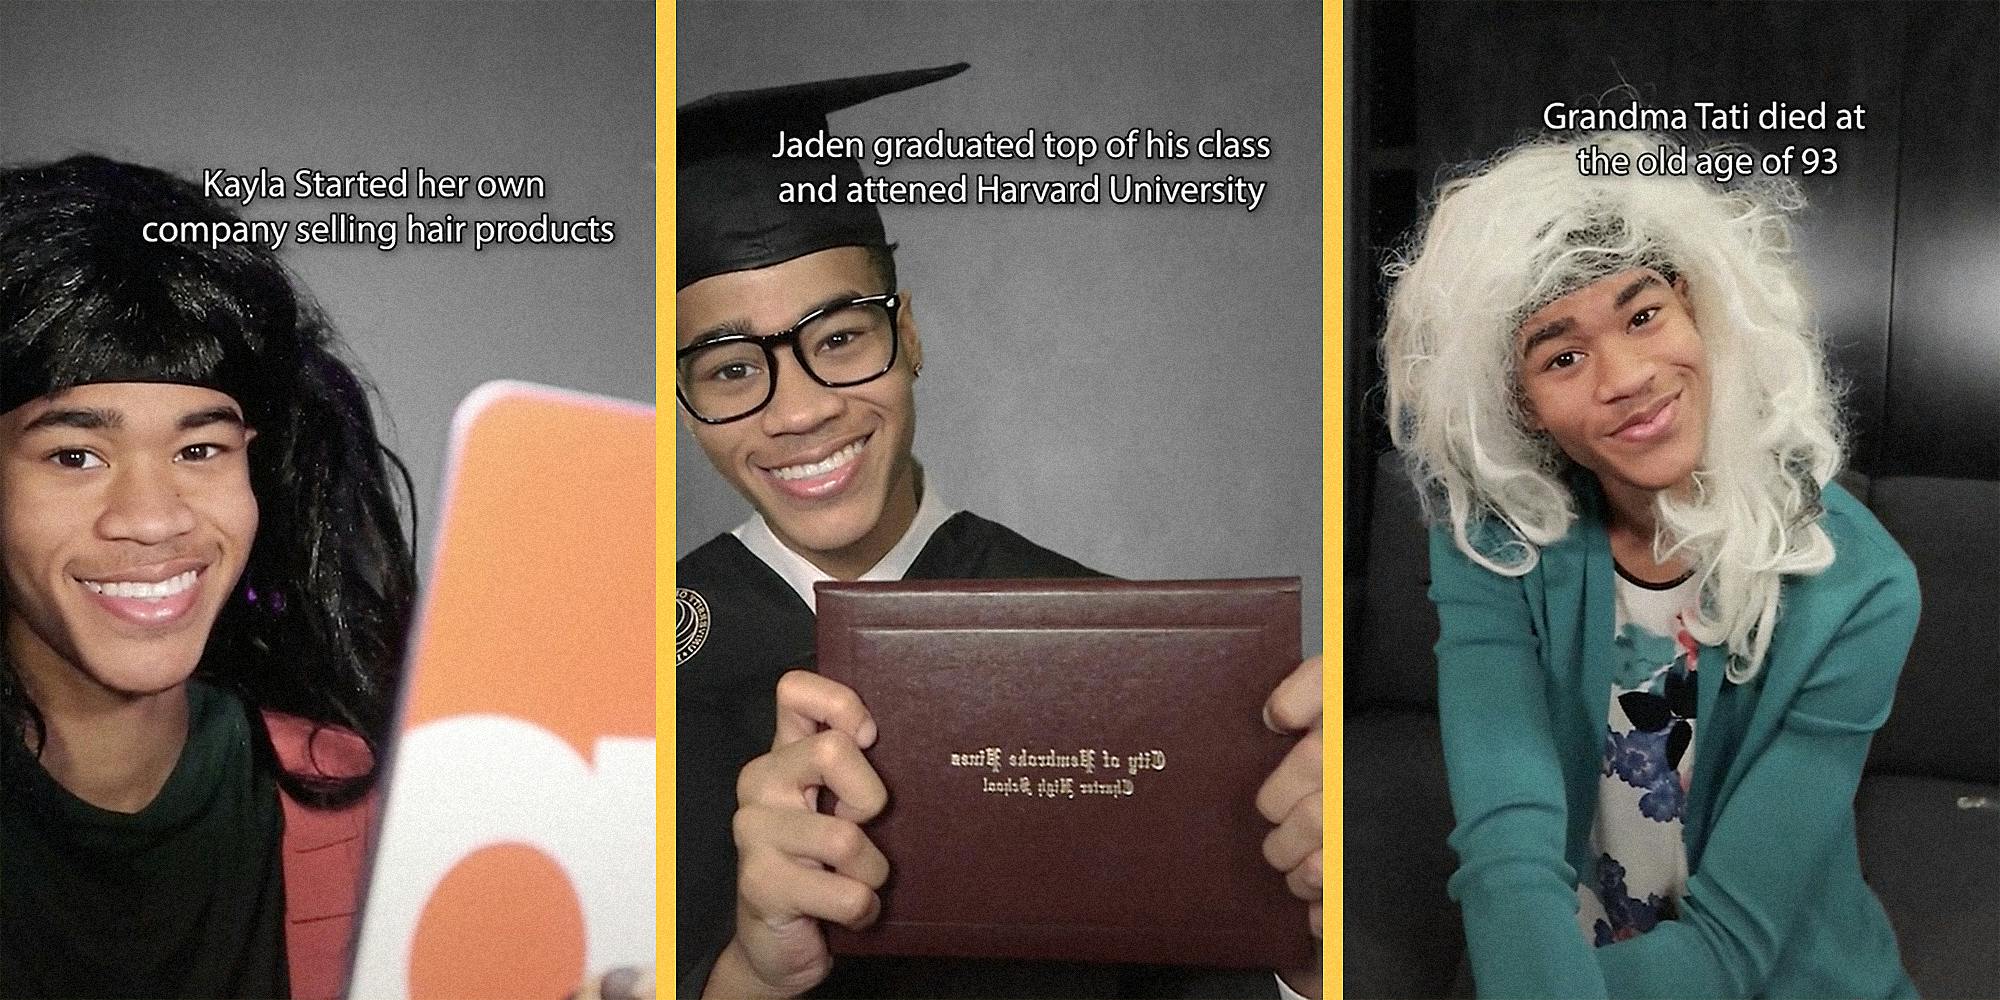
(823, 466)
(145, 591)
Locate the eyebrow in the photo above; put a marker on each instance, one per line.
(1551, 331)
(96, 419)
(739, 328)
(1632, 290)
(81, 418)
(212, 415)
(1557, 328)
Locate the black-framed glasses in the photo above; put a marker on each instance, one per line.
(846, 344)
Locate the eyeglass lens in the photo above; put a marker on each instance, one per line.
(844, 346)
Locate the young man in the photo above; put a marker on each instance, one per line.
(797, 356)
(206, 591)
(1666, 634)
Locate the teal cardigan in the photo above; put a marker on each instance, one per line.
(1775, 905)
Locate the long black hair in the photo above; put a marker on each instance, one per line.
(317, 626)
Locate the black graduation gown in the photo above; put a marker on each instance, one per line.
(756, 628)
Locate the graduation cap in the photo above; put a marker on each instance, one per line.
(727, 184)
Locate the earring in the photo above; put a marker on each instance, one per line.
(918, 371)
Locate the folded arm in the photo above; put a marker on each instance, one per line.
(1772, 845)
(1513, 884)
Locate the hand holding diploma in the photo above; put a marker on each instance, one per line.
(797, 867)
(1292, 798)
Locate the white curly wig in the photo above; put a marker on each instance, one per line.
(1523, 230)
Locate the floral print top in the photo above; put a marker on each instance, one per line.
(1648, 762)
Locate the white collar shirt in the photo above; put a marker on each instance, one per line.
(800, 574)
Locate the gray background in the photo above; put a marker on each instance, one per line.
(564, 91)
(1137, 387)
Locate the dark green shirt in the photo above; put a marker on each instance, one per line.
(184, 898)
(1775, 905)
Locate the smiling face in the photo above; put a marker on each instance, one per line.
(126, 517)
(829, 469)
(1616, 373)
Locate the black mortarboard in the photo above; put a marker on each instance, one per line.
(727, 183)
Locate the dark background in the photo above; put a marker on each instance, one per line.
(1901, 255)
(1903, 242)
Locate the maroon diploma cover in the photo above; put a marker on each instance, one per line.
(1072, 766)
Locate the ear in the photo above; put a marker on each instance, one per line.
(911, 344)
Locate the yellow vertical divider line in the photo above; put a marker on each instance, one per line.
(1333, 497)
(663, 503)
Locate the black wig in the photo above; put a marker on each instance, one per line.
(318, 624)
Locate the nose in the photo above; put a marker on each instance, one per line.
(800, 405)
(1626, 370)
(145, 505)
